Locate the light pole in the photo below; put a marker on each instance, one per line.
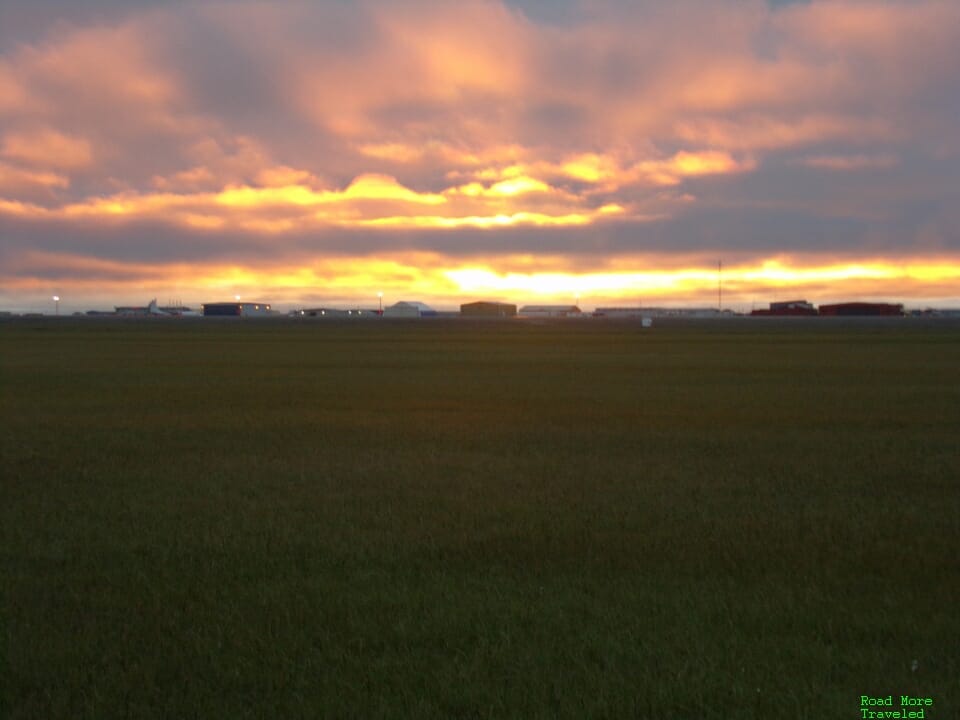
(56, 300)
(380, 302)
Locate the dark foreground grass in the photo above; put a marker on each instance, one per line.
(441, 519)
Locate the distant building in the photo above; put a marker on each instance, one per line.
(152, 310)
(138, 311)
(332, 313)
(130, 311)
(237, 309)
(787, 308)
(620, 312)
(936, 312)
(625, 313)
(488, 309)
(687, 312)
(179, 310)
(862, 309)
(554, 311)
(409, 309)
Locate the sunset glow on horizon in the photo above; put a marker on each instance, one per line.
(524, 151)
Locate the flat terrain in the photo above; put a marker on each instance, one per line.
(730, 519)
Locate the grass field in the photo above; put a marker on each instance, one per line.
(441, 519)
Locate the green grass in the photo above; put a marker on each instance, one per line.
(455, 519)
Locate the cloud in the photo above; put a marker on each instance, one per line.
(684, 164)
(850, 162)
(369, 200)
(355, 280)
(47, 149)
(22, 181)
(771, 133)
(486, 128)
(12, 93)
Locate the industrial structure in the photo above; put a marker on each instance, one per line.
(862, 309)
(409, 309)
(488, 309)
(787, 308)
(151, 309)
(237, 309)
(621, 312)
(499, 309)
(687, 312)
(550, 311)
(850, 309)
(333, 313)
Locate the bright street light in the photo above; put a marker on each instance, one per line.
(56, 299)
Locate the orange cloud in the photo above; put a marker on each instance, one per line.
(683, 164)
(194, 179)
(284, 176)
(103, 62)
(758, 132)
(397, 152)
(355, 279)
(368, 201)
(365, 187)
(590, 167)
(481, 221)
(277, 120)
(47, 149)
(424, 53)
(473, 47)
(515, 185)
(742, 282)
(384, 187)
(13, 95)
(15, 179)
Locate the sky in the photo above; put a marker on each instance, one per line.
(610, 152)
